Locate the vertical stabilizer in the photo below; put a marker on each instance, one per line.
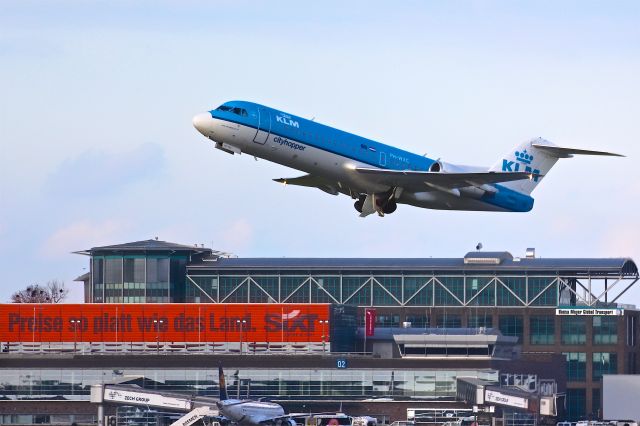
(527, 158)
(222, 384)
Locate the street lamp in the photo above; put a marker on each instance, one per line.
(323, 322)
(241, 323)
(75, 323)
(157, 323)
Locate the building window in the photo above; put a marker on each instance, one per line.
(631, 330)
(576, 404)
(574, 330)
(477, 321)
(418, 321)
(542, 330)
(449, 321)
(543, 292)
(605, 330)
(595, 404)
(387, 320)
(604, 363)
(511, 325)
(576, 366)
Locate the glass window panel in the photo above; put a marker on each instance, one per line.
(576, 366)
(604, 363)
(605, 330)
(542, 330)
(517, 285)
(574, 330)
(511, 325)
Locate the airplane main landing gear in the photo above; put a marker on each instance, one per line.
(358, 205)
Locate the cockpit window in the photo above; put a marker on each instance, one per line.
(239, 111)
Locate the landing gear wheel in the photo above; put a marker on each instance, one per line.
(390, 207)
(358, 205)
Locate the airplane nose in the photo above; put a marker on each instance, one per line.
(202, 122)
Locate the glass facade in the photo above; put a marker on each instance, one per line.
(576, 366)
(605, 330)
(542, 330)
(138, 279)
(302, 383)
(511, 325)
(574, 330)
(604, 363)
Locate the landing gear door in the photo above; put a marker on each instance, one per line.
(264, 126)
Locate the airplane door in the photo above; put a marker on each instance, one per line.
(264, 126)
(383, 159)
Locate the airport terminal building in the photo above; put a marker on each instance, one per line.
(487, 315)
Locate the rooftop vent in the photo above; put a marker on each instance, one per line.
(530, 253)
(487, 257)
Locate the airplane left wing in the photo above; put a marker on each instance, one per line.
(325, 185)
(418, 180)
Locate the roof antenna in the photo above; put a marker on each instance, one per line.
(156, 238)
(479, 246)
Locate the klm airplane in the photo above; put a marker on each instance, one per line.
(378, 176)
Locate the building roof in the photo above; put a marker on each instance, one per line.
(153, 245)
(593, 266)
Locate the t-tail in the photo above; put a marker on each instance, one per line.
(536, 156)
(222, 384)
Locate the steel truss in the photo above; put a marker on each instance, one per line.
(519, 291)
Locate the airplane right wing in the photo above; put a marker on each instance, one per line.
(421, 180)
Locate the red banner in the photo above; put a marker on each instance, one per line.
(369, 321)
(166, 322)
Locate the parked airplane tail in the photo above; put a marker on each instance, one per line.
(222, 384)
(536, 156)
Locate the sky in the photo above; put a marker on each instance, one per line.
(97, 145)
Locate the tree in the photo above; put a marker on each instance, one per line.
(53, 292)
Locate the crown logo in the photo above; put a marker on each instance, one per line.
(523, 157)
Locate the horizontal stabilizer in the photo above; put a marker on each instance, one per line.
(562, 152)
(421, 180)
(313, 182)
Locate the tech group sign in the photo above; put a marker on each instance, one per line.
(177, 322)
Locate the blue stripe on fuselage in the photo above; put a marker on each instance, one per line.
(356, 148)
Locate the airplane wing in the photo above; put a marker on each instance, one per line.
(325, 185)
(562, 152)
(420, 180)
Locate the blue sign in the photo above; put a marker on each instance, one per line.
(341, 363)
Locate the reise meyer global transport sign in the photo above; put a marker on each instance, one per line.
(177, 322)
(572, 310)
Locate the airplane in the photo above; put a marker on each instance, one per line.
(248, 412)
(379, 176)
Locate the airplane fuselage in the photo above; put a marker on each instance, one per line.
(250, 413)
(320, 150)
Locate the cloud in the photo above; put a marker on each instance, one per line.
(76, 235)
(97, 173)
(238, 236)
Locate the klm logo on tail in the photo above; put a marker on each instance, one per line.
(524, 158)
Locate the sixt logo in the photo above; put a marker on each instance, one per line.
(523, 157)
(285, 119)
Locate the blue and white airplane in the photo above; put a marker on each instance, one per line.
(378, 176)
